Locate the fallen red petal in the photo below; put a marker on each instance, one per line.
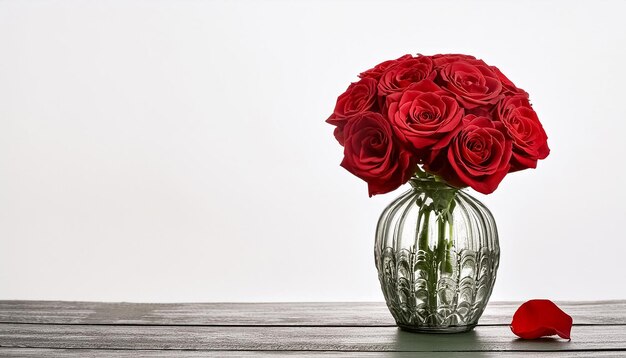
(540, 318)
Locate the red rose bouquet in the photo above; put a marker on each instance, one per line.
(450, 117)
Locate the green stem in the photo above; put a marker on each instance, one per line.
(432, 287)
(422, 242)
(444, 246)
(439, 201)
(449, 246)
(441, 242)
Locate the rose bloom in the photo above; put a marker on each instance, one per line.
(473, 82)
(508, 88)
(424, 116)
(405, 73)
(372, 153)
(481, 111)
(359, 97)
(440, 60)
(530, 142)
(378, 70)
(478, 156)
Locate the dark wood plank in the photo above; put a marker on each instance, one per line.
(273, 314)
(486, 338)
(90, 353)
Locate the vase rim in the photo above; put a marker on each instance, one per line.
(431, 181)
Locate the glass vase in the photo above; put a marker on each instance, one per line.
(437, 255)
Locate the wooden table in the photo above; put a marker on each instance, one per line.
(89, 329)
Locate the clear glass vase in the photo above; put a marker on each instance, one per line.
(437, 254)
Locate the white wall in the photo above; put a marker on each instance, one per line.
(177, 150)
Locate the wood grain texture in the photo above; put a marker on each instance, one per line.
(90, 329)
(485, 338)
(90, 353)
(266, 314)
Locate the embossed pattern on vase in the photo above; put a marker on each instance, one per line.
(420, 295)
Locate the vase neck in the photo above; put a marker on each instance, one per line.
(429, 183)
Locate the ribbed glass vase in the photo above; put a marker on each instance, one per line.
(437, 254)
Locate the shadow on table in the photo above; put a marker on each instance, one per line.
(474, 343)
(446, 344)
(546, 343)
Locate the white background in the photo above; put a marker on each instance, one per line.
(177, 150)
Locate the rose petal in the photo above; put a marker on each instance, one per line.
(539, 318)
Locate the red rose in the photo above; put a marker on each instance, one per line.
(481, 111)
(424, 115)
(477, 156)
(405, 73)
(440, 60)
(508, 88)
(372, 153)
(359, 97)
(453, 114)
(472, 81)
(378, 70)
(530, 142)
